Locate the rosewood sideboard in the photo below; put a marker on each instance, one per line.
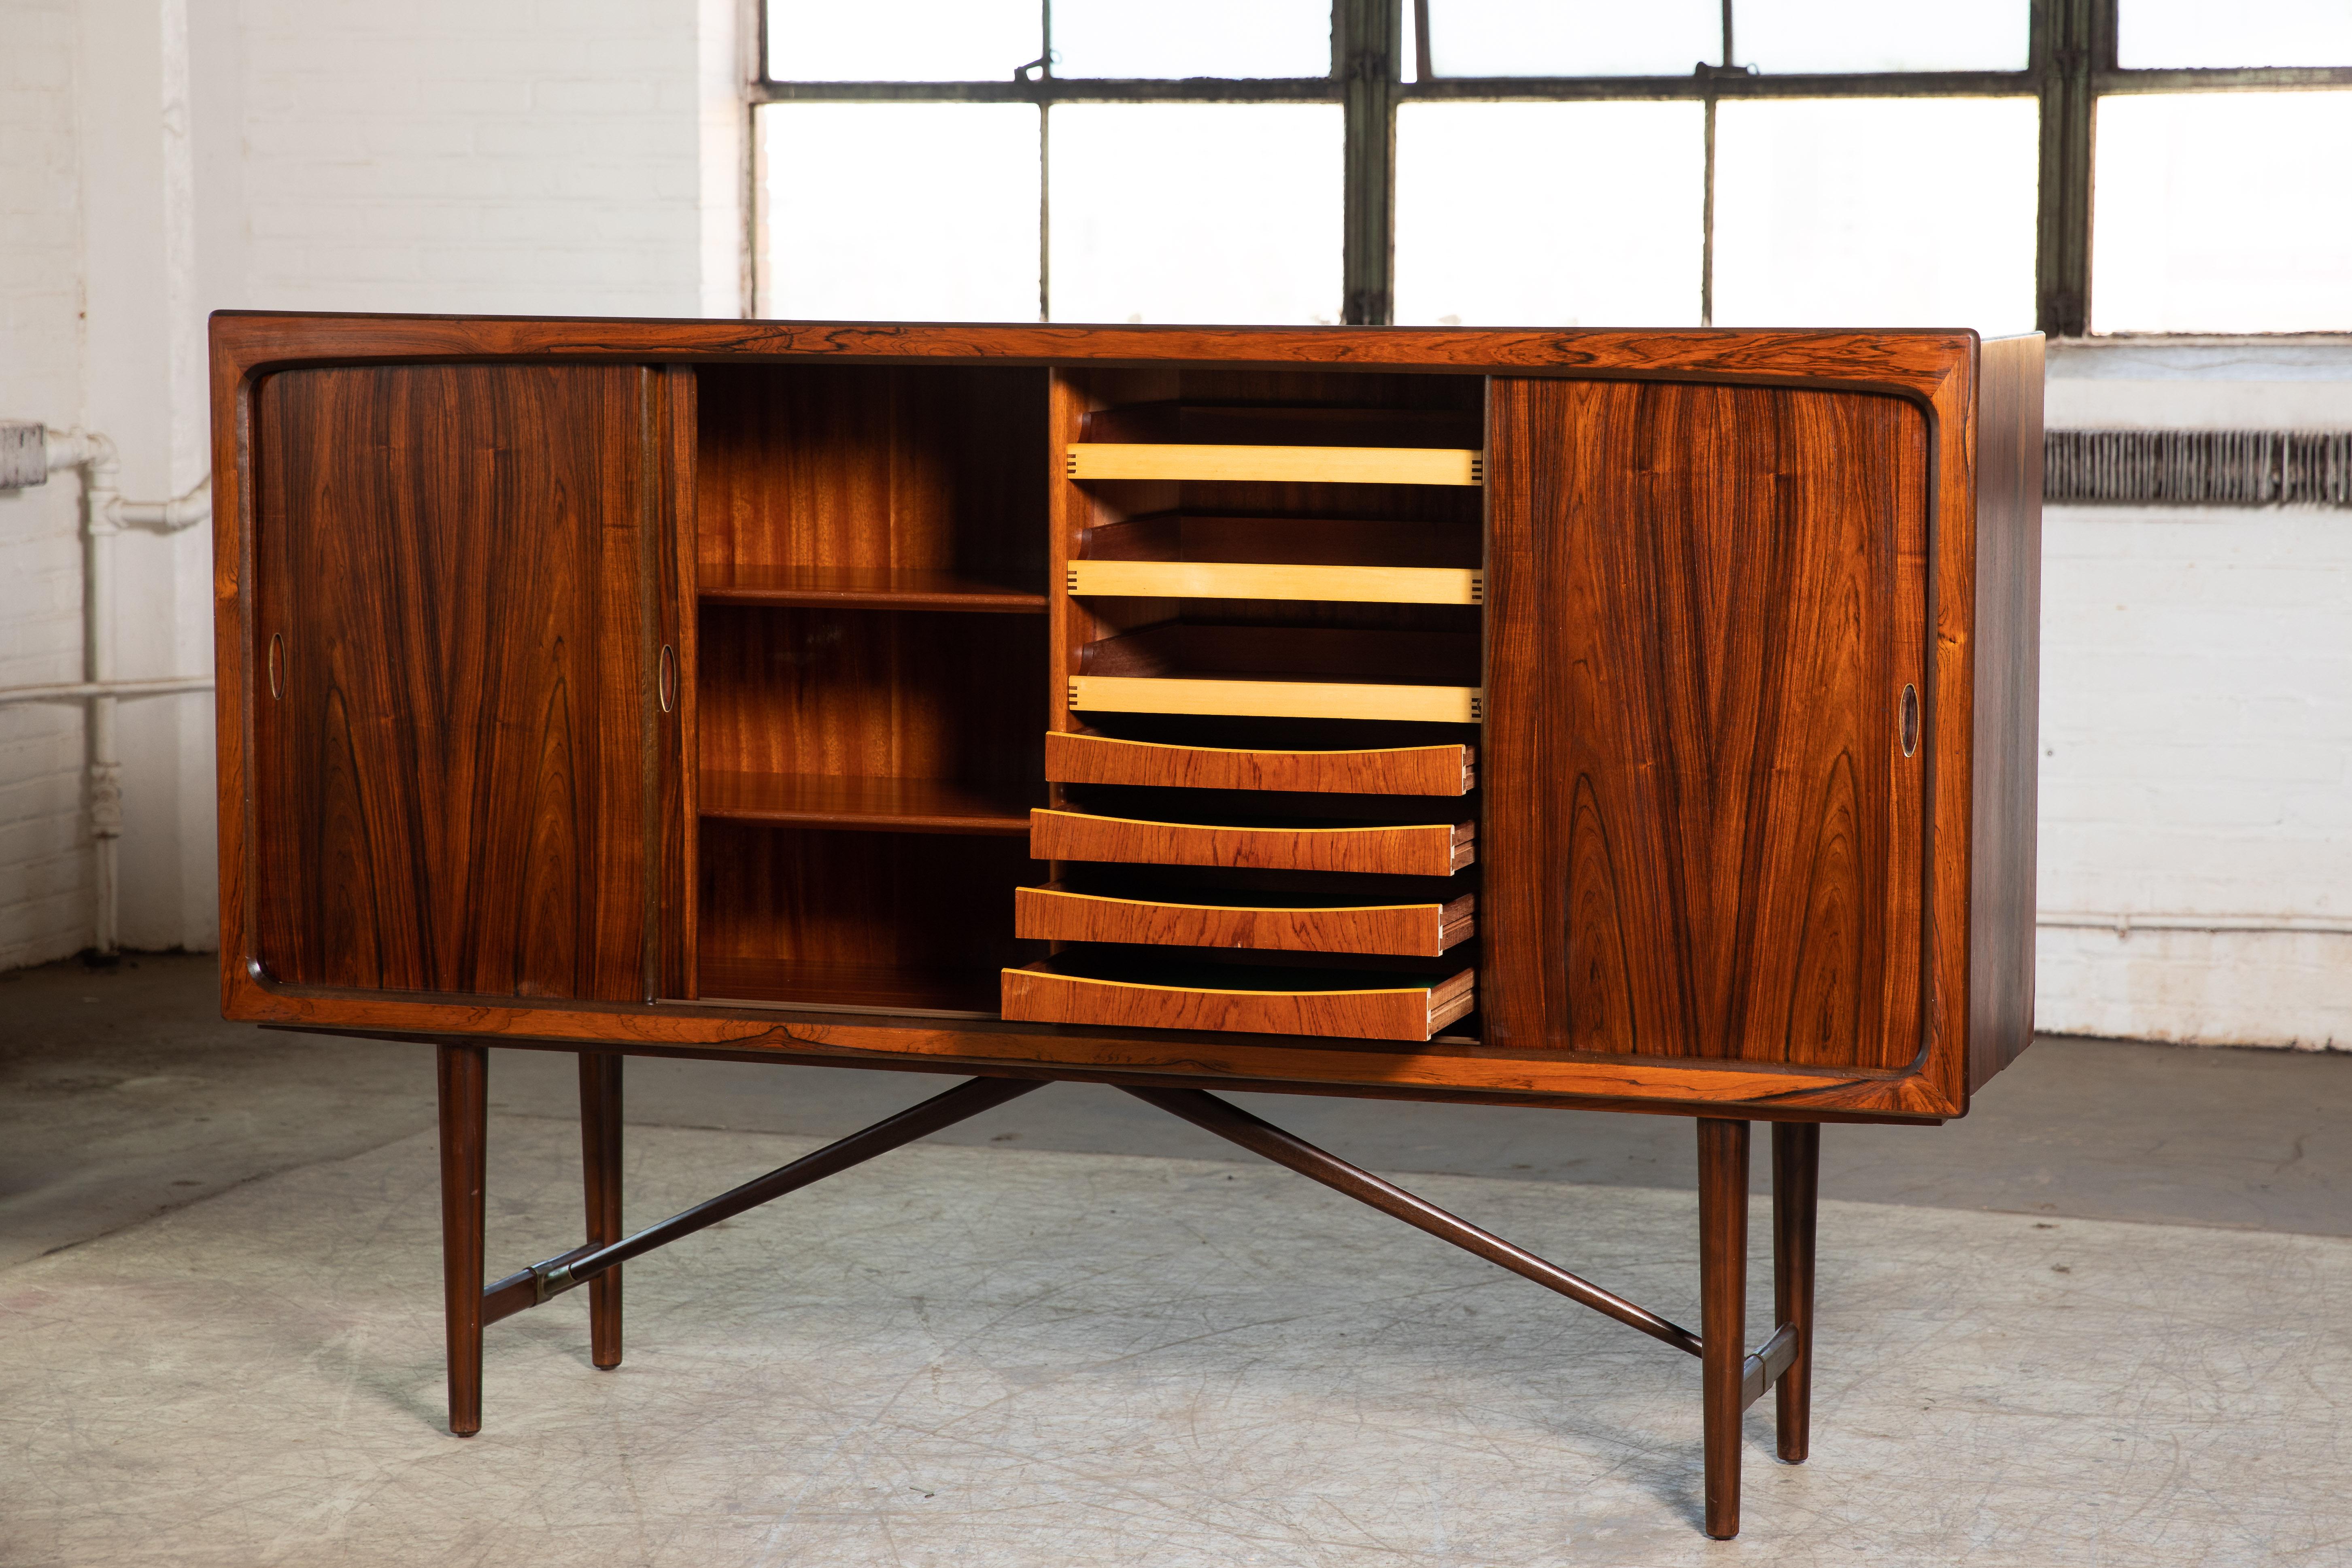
(1622, 720)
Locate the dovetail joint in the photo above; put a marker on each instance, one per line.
(1074, 694)
(1071, 582)
(1477, 587)
(1070, 464)
(1479, 468)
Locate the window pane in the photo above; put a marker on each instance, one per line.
(1196, 212)
(1198, 37)
(1877, 212)
(1572, 37)
(901, 211)
(2153, 35)
(1793, 36)
(1549, 215)
(901, 40)
(2222, 213)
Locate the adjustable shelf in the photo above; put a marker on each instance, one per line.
(1255, 918)
(1404, 770)
(870, 804)
(1407, 849)
(854, 587)
(1277, 465)
(1259, 580)
(851, 987)
(1345, 1003)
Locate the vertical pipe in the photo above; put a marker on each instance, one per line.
(1796, 1185)
(1723, 1310)
(600, 1182)
(99, 531)
(463, 1072)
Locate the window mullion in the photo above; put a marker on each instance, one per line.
(1366, 37)
(2073, 40)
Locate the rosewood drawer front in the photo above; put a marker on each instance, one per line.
(1431, 849)
(1402, 770)
(1359, 1005)
(1055, 914)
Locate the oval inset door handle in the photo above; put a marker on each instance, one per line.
(665, 679)
(1910, 720)
(277, 659)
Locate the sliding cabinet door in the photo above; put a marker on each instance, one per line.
(1706, 760)
(454, 723)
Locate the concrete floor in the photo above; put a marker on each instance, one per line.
(218, 1265)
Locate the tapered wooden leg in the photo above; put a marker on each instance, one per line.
(1796, 1185)
(1723, 1309)
(463, 1072)
(600, 1181)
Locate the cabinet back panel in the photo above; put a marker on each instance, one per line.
(1702, 836)
(450, 794)
(875, 693)
(938, 469)
(913, 920)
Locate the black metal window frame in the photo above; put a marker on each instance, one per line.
(2071, 65)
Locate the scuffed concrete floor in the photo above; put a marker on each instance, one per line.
(1051, 1338)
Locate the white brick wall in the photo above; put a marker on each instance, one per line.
(505, 156)
(45, 894)
(2197, 722)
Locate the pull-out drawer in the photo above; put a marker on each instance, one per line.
(1398, 770)
(1363, 1005)
(1295, 923)
(1415, 849)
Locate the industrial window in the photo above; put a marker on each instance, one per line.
(2071, 166)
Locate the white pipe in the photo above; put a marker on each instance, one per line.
(2124, 923)
(81, 690)
(106, 514)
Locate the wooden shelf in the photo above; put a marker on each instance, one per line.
(1277, 465)
(1276, 699)
(1294, 922)
(856, 987)
(1330, 1004)
(1255, 580)
(853, 587)
(1407, 849)
(1448, 770)
(870, 804)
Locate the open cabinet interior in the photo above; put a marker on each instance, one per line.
(1267, 606)
(869, 680)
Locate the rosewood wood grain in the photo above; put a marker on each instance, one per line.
(1055, 914)
(1937, 371)
(461, 1067)
(451, 793)
(2006, 683)
(1704, 836)
(1723, 1310)
(1914, 362)
(1343, 1005)
(600, 1182)
(1447, 770)
(1796, 1191)
(1433, 849)
(678, 736)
